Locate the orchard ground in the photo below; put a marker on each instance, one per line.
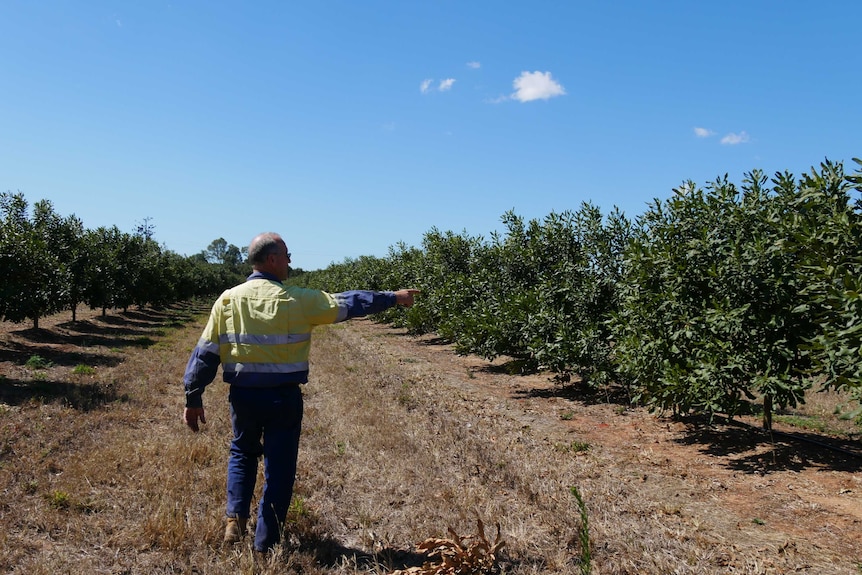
(402, 439)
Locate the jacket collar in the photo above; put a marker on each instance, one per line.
(257, 275)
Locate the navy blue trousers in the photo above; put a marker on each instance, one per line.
(265, 422)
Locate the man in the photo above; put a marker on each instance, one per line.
(260, 332)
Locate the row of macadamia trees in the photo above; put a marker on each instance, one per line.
(714, 300)
(717, 299)
(51, 263)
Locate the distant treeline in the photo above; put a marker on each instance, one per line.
(713, 298)
(50, 263)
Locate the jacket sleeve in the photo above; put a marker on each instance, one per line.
(203, 364)
(359, 303)
(321, 307)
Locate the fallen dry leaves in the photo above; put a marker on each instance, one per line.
(468, 555)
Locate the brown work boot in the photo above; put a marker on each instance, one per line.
(234, 530)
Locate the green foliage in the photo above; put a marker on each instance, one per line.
(33, 280)
(540, 293)
(49, 263)
(830, 231)
(716, 306)
(38, 362)
(223, 253)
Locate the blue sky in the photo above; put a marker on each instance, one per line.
(349, 126)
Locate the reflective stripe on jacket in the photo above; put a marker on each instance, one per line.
(260, 332)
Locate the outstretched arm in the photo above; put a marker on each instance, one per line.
(360, 303)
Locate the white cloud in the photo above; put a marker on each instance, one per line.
(425, 85)
(446, 85)
(475, 65)
(733, 139)
(531, 86)
(703, 132)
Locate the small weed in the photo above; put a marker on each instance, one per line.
(583, 532)
(812, 423)
(59, 500)
(38, 362)
(568, 416)
(298, 507)
(116, 350)
(340, 448)
(82, 369)
(846, 414)
(405, 397)
(758, 521)
(31, 486)
(573, 447)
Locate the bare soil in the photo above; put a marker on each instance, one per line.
(402, 438)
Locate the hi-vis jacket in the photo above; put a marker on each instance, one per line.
(260, 333)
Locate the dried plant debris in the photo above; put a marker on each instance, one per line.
(468, 555)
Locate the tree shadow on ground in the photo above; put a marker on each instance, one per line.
(112, 332)
(80, 396)
(150, 316)
(20, 353)
(331, 554)
(751, 450)
(82, 333)
(582, 393)
(433, 341)
(742, 447)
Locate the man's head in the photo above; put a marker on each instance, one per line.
(268, 253)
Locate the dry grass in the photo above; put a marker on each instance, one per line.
(99, 474)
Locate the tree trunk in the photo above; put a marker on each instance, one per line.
(767, 412)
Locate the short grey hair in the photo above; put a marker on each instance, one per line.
(263, 245)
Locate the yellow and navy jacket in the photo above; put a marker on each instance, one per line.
(260, 333)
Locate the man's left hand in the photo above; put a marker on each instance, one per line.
(191, 415)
